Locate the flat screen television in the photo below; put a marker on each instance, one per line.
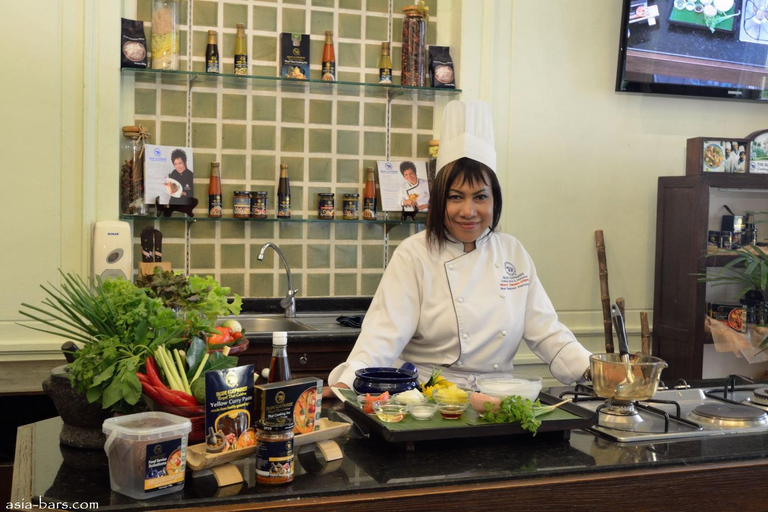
(705, 48)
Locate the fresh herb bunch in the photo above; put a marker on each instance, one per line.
(117, 323)
(201, 300)
(516, 409)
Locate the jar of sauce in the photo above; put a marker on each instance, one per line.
(274, 452)
(326, 208)
(259, 204)
(241, 205)
(351, 205)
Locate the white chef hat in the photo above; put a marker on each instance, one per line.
(727, 145)
(467, 131)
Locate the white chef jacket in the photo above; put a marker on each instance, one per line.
(465, 311)
(421, 187)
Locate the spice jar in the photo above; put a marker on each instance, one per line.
(413, 71)
(241, 205)
(351, 206)
(165, 34)
(259, 204)
(274, 452)
(434, 147)
(132, 171)
(326, 208)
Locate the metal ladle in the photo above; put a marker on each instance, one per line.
(630, 384)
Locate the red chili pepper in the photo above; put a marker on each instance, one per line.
(173, 399)
(152, 373)
(153, 394)
(184, 396)
(143, 378)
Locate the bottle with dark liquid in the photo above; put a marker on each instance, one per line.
(212, 54)
(241, 51)
(284, 194)
(369, 196)
(279, 369)
(214, 191)
(385, 65)
(328, 73)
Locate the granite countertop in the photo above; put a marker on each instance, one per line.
(372, 466)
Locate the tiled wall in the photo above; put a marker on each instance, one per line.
(327, 140)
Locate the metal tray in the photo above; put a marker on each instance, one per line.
(564, 419)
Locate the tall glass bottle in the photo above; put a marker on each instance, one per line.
(214, 191)
(165, 34)
(279, 369)
(241, 51)
(284, 194)
(414, 70)
(369, 196)
(385, 65)
(329, 59)
(212, 54)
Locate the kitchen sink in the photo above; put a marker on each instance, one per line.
(271, 324)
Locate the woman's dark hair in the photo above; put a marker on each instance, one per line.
(407, 165)
(459, 171)
(179, 153)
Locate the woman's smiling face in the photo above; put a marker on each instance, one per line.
(468, 210)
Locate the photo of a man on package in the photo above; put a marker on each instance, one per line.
(414, 193)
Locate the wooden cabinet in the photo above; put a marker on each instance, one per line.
(683, 219)
(307, 358)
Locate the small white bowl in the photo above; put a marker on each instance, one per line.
(423, 412)
(411, 399)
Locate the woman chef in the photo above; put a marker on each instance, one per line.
(460, 294)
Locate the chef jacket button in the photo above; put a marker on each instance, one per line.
(495, 367)
(460, 300)
(503, 333)
(458, 363)
(465, 335)
(450, 267)
(498, 265)
(503, 295)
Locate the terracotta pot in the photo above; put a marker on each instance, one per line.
(82, 420)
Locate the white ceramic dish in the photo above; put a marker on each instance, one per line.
(723, 5)
(502, 385)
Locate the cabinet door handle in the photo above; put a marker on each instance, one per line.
(303, 359)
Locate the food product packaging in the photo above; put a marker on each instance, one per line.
(298, 400)
(133, 52)
(229, 407)
(441, 68)
(147, 453)
(294, 56)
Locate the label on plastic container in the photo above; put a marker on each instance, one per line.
(165, 464)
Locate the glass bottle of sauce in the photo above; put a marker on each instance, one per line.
(434, 147)
(385, 65)
(369, 196)
(413, 71)
(329, 59)
(279, 369)
(241, 51)
(284, 194)
(212, 54)
(214, 191)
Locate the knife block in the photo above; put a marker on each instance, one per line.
(146, 268)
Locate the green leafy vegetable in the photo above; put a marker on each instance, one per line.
(515, 409)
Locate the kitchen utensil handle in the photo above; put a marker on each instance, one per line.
(645, 334)
(148, 244)
(621, 333)
(158, 237)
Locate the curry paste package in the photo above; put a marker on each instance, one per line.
(298, 400)
(294, 56)
(229, 409)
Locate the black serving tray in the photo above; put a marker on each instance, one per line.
(563, 419)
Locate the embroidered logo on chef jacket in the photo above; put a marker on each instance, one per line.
(511, 280)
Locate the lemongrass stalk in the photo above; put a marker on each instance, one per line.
(172, 383)
(200, 368)
(182, 373)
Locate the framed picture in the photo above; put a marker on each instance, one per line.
(404, 186)
(716, 154)
(168, 175)
(758, 152)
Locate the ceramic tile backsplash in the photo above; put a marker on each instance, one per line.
(327, 138)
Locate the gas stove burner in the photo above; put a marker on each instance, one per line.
(760, 396)
(727, 415)
(619, 415)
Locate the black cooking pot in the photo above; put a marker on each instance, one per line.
(378, 380)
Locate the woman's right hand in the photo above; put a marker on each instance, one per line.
(328, 392)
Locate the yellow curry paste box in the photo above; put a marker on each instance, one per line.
(298, 400)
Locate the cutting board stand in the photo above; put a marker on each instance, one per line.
(146, 268)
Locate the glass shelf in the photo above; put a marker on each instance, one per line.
(272, 83)
(384, 222)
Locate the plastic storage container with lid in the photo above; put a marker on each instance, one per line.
(147, 453)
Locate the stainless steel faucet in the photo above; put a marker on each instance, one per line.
(289, 301)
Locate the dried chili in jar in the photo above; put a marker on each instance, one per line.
(413, 71)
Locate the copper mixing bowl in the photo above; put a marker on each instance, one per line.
(610, 379)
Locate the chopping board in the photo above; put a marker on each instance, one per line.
(564, 419)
